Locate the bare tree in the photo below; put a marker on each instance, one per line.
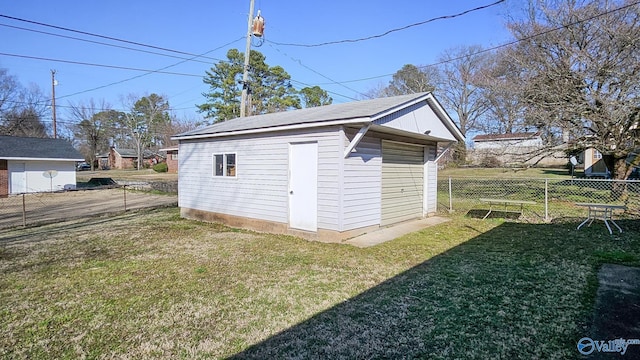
(145, 121)
(93, 128)
(24, 112)
(499, 80)
(9, 90)
(461, 91)
(580, 69)
(410, 80)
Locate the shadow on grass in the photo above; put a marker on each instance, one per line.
(516, 291)
(559, 172)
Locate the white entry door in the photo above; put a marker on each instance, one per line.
(303, 186)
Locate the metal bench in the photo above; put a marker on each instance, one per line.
(506, 203)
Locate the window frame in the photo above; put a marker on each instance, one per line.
(597, 154)
(225, 165)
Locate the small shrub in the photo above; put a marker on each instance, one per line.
(160, 167)
(490, 161)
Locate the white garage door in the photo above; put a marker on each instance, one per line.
(402, 182)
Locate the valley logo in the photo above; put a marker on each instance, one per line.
(586, 345)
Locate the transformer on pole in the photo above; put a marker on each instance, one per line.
(255, 27)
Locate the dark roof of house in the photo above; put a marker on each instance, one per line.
(14, 147)
(365, 109)
(129, 153)
(510, 136)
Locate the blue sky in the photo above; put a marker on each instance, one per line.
(213, 27)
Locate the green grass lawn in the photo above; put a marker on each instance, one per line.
(153, 285)
(502, 173)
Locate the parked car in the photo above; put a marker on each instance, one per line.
(83, 167)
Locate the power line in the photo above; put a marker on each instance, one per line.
(98, 35)
(316, 72)
(105, 44)
(516, 41)
(149, 72)
(93, 64)
(392, 30)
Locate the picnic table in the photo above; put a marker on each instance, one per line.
(506, 203)
(602, 212)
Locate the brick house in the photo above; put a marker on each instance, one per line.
(125, 159)
(172, 158)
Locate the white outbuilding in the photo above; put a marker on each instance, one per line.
(326, 173)
(36, 165)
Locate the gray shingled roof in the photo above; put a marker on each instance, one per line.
(13, 147)
(345, 111)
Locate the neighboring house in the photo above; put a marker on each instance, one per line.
(172, 159)
(325, 173)
(520, 148)
(125, 159)
(36, 165)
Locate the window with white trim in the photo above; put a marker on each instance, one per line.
(224, 165)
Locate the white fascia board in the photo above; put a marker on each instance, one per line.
(390, 111)
(389, 130)
(276, 128)
(38, 159)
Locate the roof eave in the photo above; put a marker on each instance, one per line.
(360, 120)
(38, 159)
(392, 131)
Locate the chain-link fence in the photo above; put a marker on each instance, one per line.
(38, 208)
(553, 198)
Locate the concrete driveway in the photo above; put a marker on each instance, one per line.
(32, 209)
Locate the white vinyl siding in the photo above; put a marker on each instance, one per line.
(260, 189)
(402, 182)
(361, 183)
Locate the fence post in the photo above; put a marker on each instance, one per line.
(124, 187)
(546, 200)
(24, 212)
(450, 197)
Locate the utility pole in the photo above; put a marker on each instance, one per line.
(245, 75)
(53, 102)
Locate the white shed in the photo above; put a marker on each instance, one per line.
(36, 165)
(326, 173)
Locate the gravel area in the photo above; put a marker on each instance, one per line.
(34, 209)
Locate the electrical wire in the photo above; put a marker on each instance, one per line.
(98, 35)
(150, 71)
(392, 30)
(510, 43)
(316, 72)
(322, 44)
(105, 44)
(94, 64)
